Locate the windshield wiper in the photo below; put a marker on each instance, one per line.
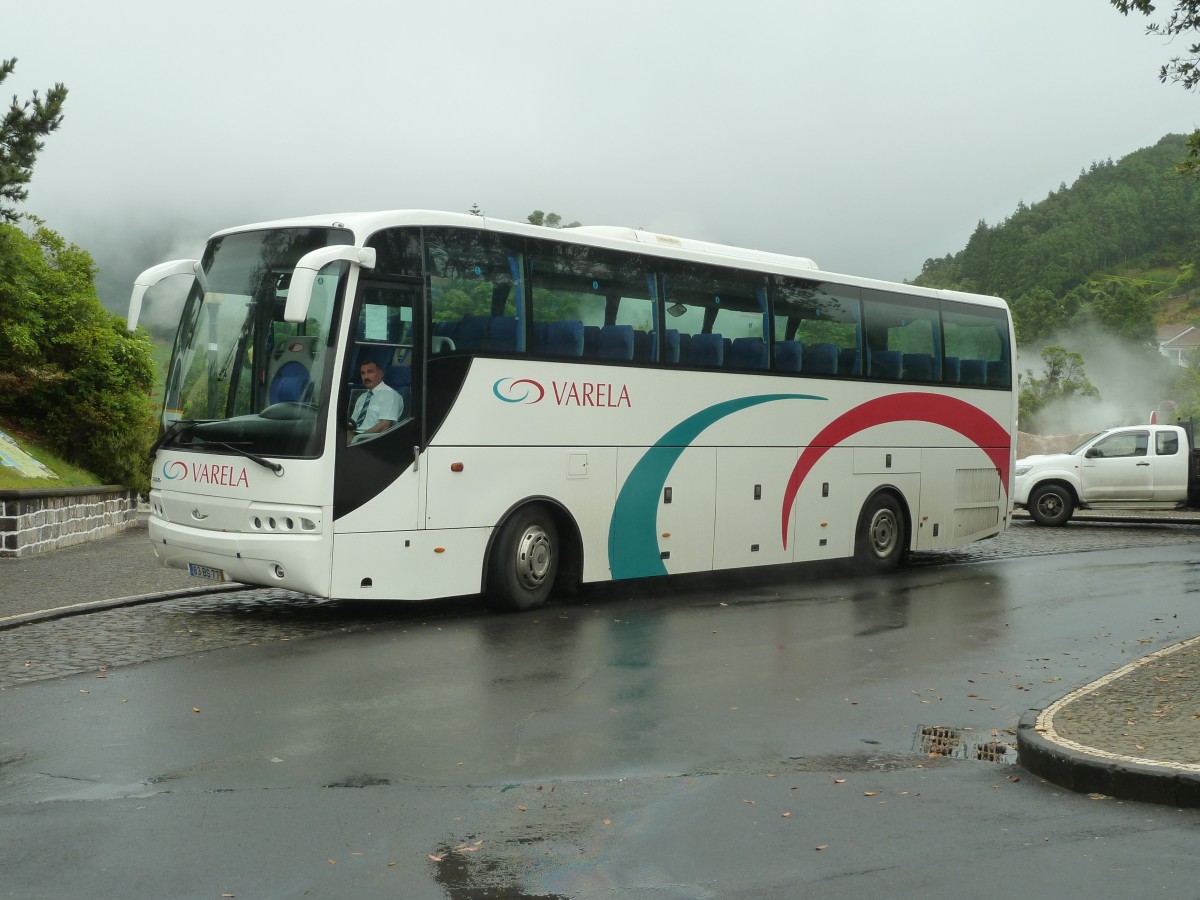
(170, 432)
(253, 457)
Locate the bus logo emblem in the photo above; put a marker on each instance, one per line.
(518, 390)
(173, 470)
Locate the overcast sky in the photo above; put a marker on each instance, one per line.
(868, 135)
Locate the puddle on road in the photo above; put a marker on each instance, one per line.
(962, 743)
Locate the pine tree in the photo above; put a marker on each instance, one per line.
(22, 127)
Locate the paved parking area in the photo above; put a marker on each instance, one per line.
(100, 641)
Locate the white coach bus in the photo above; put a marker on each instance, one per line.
(576, 405)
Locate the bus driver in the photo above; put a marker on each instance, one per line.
(379, 408)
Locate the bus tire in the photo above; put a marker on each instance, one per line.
(1051, 505)
(524, 560)
(880, 540)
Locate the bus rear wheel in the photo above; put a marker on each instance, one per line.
(879, 542)
(524, 560)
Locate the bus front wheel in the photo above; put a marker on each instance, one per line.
(524, 560)
(880, 540)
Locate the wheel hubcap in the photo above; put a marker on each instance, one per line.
(1050, 505)
(884, 532)
(533, 557)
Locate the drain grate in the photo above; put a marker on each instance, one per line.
(962, 743)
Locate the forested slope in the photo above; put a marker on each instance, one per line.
(1110, 247)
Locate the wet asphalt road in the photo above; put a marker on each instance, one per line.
(713, 738)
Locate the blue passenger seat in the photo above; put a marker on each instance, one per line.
(972, 371)
(399, 378)
(747, 353)
(997, 373)
(591, 341)
(848, 362)
(644, 345)
(821, 359)
(615, 342)
(290, 384)
(473, 333)
(918, 367)
(789, 356)
(671, 346)
(685, 348)
(502, 334)
(950, 373)
(564, 338)
(706, 350)
(887, 364)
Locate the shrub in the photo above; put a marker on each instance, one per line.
(69, 370)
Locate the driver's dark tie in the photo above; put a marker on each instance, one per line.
(362, 413)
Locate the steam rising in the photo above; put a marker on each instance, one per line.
(1133, 380)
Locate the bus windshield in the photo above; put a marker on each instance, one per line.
(241, 379)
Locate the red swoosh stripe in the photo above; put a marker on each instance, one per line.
(969, 421)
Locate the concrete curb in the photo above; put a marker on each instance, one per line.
(79, 609)
(1086, 773)
(1069, 764)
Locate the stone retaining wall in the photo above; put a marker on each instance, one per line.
(41, 519)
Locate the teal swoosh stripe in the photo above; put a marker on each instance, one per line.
(633, 531)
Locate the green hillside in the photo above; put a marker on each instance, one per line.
(1090, 272)
(1118, 247)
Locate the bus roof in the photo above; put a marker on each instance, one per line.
(615, 237)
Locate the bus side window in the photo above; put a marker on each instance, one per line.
(716, 310)
(476, 292)
(817, 328)
(975, 344)
(903, 337)
(589, 302)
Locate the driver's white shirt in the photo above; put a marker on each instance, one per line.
(385, 404)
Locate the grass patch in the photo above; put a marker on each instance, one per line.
(68, 475)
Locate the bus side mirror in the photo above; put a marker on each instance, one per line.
(150, 278)
(305, 275)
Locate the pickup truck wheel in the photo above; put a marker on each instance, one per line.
(1051, 505)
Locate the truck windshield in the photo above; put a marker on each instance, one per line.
(241, 379)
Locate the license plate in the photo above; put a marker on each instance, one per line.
(198, 571)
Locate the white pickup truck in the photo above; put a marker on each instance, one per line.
(1132, 467)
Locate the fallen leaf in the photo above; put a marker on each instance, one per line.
(522, 807)
(786, 815)
(431, 856)
(821, 847)
(751, 802)
(839, 781)
(607, 821)
(195, 709)
(870, 793)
